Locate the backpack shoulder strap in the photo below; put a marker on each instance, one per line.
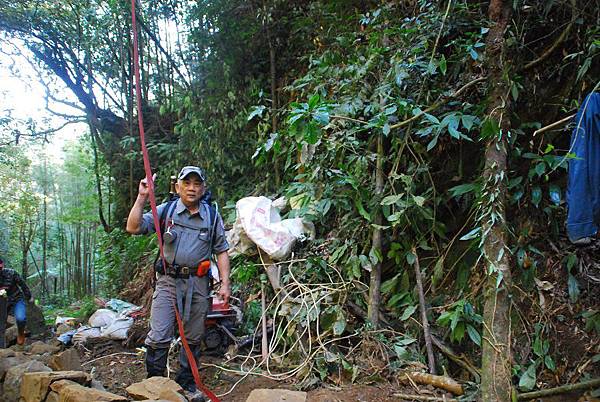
(212, 214)
(167, 212)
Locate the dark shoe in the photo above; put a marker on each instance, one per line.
(194, 395)
(156, 361)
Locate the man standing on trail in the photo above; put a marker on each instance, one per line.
(12, 290)
(193, 232)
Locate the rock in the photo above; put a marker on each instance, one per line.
(35, 319)
(70, 391)
(65, 361)
(97, 385)
(4, 353)
(39, 348)
(14, 377)
(156, 388)
(52, 397)
(11, 335)
(7, 363)
(35, 385)
(276, 395)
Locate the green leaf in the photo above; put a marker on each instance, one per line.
(573, 288)
(410, 258)
(313, 101)
(474, 335)
(256, 111)
(386, 129)
(418, 200)
(432, 118)
(321, 118)
(489, 128)
(468, 121)
(473, 53)
(443, 66)
(401, 352)
(549, 362)
(409, 311)
(554, 193)
(540, 169)
(528, 378)
(537, 347)
(458, 333)
(454, 132)
(432, 143)
(536, 195)
(361, 210)
(472, 234)
(462, 189)
(340, 324)
(392, 199)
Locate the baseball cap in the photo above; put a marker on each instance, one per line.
(191, 169)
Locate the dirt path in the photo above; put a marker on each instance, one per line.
(117, 368)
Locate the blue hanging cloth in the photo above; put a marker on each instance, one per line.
(583, 190)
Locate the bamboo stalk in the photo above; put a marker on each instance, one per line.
(560, 390)
(438, 381)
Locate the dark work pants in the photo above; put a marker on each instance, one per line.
(185, 378)
(3, 318)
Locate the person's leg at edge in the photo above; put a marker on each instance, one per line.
(3, 317)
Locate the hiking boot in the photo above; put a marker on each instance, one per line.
(194, 395)
(21, 337)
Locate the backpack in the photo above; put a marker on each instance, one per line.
(167, 213)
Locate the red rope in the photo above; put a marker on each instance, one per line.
(138, 91)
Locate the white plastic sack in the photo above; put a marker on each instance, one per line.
(102, 318)
(119, 305)
(262, 224)
(65, 320)
(118, 329)
(83, 333)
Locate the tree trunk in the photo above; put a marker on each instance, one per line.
(274, 100)
(375, 282)
(496, 359)
(45, 233)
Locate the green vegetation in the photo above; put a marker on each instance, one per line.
(403, 130)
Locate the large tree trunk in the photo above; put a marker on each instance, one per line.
(496, 349)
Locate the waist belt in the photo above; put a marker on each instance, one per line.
(178, 271)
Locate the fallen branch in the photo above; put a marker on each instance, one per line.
(111, 355)
(555, 124)
(423, 308)
(411, 397)
(560, 390)
(461, 361)
(438, 381)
